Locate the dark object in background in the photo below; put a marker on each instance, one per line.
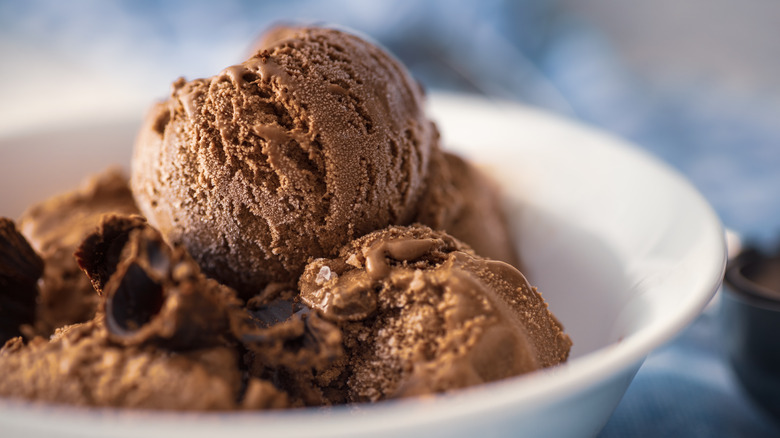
(751, 322)
(20, 269)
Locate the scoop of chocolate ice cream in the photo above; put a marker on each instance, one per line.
(317, 139)
(421, 313)
(462, 201)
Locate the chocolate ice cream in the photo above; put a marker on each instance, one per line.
(316, 140)
(164, 334)
(462, 201)
(55, 228)
(421, 313)
(280, 260)
(81, 366)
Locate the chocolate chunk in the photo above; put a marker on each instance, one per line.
(20, 269)
(293, 354)
(98, 255)
(304, 340)
(275, 312)
(157, 295)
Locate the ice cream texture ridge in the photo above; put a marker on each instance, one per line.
(291, 234)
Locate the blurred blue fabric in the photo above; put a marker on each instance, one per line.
(686, 389)
(537, 52)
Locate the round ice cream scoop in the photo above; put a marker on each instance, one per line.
(421, 313)
(319, 138)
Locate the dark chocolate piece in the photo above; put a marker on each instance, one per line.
(159, 296)
(20, 269)
(98, 255)
(304, 340)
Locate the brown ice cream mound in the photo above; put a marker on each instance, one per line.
(462, 201)
(421, 313)
(273, 266)
(81, 366)
(20, 269)
(55, 228)
(163, 324)
(317, 139)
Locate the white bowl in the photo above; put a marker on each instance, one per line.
(623, 248)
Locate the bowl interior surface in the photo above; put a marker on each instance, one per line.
(615, 241)
(624, 250)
